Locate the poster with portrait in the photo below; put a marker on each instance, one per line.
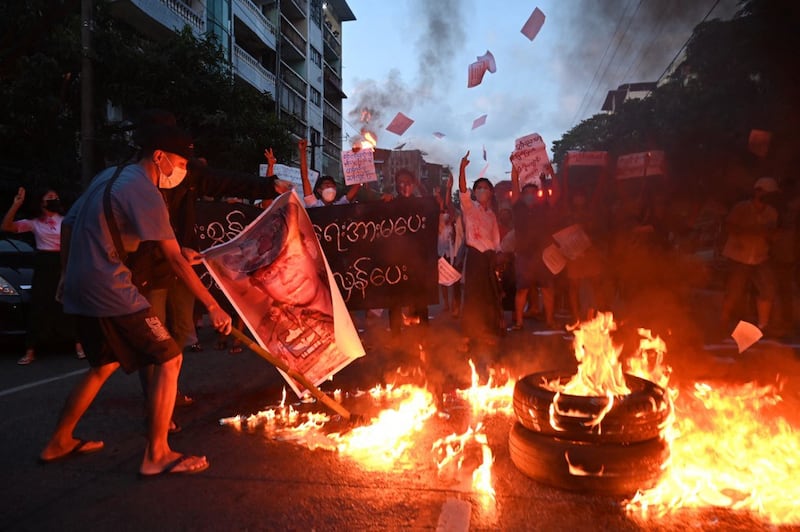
(275, 275)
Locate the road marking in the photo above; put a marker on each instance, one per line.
(44, 381)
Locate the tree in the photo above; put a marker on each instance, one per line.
(40, 94)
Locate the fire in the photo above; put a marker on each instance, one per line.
(729, 451)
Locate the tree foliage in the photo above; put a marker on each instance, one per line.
(40, 101)
(737, 75)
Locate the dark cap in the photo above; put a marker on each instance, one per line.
(167, 138)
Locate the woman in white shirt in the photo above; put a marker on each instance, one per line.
(482, 313)
(45, 312)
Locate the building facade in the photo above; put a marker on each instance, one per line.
(291, 49)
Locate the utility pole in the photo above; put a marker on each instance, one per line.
(87, 82)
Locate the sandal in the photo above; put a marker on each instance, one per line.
(26, 359)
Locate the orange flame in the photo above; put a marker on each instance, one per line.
(729, 451)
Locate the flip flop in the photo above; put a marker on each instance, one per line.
(170, 468)
(80, 448)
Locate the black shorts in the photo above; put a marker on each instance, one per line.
(134, 340)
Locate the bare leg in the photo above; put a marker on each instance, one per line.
(161, 402)
(77, 403)
(763, 309)
(520, 298)
(549, 303)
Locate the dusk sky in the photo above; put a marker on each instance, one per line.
(411, 56)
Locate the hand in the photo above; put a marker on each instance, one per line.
(281, 186)
(270, 156)
(386, 197)
(192, 256)
(465, 161)
(220, 319)
(450, 182)
(302, 146)
(20, 197)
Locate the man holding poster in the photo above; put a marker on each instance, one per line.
(276, 276)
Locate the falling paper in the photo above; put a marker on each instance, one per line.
(448, 275)
(758, 142)
(534, 24)
(553, 259)
(399, 124)
(488, 60)
(483, 171)
(478, 122)
(476, 72)
(484, 153)
(438, 134)
(746, 334)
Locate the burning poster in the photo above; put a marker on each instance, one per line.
(278, 280)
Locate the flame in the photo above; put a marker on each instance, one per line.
(729, 451)
(366, 116)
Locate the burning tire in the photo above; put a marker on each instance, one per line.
(637, 417)
(605, 469)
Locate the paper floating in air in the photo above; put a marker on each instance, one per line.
(478, 122)
(438, 134)
(488, 60)
(476, 72)
(484, 153)
(746, 334)
(399, 124)
(534, 24)
(483, 171)
(448, 275)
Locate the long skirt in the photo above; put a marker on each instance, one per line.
(482, 311)
(47, 317)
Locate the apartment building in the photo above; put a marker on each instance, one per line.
(291, 49)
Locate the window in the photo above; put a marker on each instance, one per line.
(316, 96)
(316, 12)
(316, 57)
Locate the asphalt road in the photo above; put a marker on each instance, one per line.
(258, 483)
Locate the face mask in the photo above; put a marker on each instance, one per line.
(328, 194)
(53, 205)
(530, 201)
(481, 194)
(173, 179)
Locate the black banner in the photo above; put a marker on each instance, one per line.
(380, 253)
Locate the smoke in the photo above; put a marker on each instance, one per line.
(627, 41)
(440, 32)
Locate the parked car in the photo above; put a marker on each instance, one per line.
(16, 277)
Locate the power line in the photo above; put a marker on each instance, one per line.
(647, 50)
(713, 7)
(600, 63)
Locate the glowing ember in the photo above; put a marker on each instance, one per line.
(727, 451)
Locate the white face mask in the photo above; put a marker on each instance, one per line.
(328, 194)
(175, 177)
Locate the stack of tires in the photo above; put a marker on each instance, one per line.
(580, 444)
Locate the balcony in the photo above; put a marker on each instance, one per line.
(157, 17)
(250, 70)
(333, 48)
(332, 149)
(294, 44)
(332, 77)
(250, 15)
(295, 125)
(291, 79)
(293, 10)
(332, 114)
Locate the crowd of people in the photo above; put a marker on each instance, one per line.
(116, 272)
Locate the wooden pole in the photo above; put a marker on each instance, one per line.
(299, 377)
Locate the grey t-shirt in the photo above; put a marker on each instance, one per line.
(97, 283)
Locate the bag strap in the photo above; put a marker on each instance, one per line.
(112, 222)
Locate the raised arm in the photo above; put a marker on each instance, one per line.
(462, 173)
(352, 192)
(302, 152)
(271, 160)
(8, 219)
(515, 190)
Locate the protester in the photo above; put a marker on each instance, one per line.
(46, 314)
(534, 223)
(482, 313)
(325, 191)
(407, 187)
(450, 244)
(121, 208)
(750, 225)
